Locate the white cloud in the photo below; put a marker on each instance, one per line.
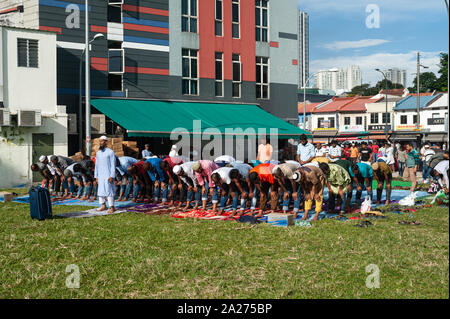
(341, 45)
(383, 61)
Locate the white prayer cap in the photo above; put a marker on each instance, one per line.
(42, 158)
(174, 147)
(275, 168)
(177, 169)
(103, 138)
(296, 176)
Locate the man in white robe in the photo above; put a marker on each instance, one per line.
(105, 173)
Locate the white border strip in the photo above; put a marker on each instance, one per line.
(70, 45)
(145, 46)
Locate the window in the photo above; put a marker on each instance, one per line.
(261, 20)
(320, 121)
(190, 72)
(403, 119)
(435, 115)
(386, 116)
(116, 60)
(374, 118)
(359, 120)
(237, 76)
(235, 18)
(115, 82)
(415, 119)
(346, 121)
(189, 16)
(331, 120)
(27, 53)
(262, 78)
(115, 13)
(219, 74)
(219, 21)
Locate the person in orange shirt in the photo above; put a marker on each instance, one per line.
(353, 153)
(265, 151)
(262, 179)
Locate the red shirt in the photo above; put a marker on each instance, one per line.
(264, 172)
(140, 168)
(375, 148)
(172, 161)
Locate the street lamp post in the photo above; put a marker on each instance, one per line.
(386, 98)
(304, 93)
(418, 90)
(80, 107)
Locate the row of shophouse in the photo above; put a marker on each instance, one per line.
(365, 118)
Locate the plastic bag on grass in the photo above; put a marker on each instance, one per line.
(366, 205)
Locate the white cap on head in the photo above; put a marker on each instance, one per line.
(275, 168)
(174, 147)
(177, 169)
(42, 158)
(427, 146)
(296, 176)
(103, 138)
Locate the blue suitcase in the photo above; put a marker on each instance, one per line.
(40, 203)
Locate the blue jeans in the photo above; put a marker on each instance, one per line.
(228, 190)
(215, 195)
(359, 193)
(125, 189)
(401, 168)
(426, 170)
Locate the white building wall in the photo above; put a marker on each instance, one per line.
(29, 88)
(16, 147)
(353, 121)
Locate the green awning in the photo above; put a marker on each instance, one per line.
(161, 118)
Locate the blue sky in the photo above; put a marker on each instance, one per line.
(339, 36)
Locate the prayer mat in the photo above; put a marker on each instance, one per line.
(88, 213)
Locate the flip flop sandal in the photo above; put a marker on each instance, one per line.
(414, 222)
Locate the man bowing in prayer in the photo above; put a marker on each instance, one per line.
(105, 173)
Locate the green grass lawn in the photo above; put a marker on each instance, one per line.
(138, 256)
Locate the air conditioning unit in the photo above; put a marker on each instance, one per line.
(72, 124)
(98, 124)
(5, 118)
(29, 118)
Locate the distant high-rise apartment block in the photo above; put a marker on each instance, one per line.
(396, 76)
(342, 80)
(303, 41)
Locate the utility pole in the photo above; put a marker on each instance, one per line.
(418, 92)
(448, 85)
(87, 75)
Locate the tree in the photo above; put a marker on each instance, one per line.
(443, 71)
(381, 85)
(428, 82)
(364, 90)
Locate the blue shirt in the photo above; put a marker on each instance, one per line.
(156, 173)
(146, 153)
(125, 163)
(365, 171)
(306, 151)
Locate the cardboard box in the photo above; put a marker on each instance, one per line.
(6, 197)
(282, 220)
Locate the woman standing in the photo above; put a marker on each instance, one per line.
(401, 159)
